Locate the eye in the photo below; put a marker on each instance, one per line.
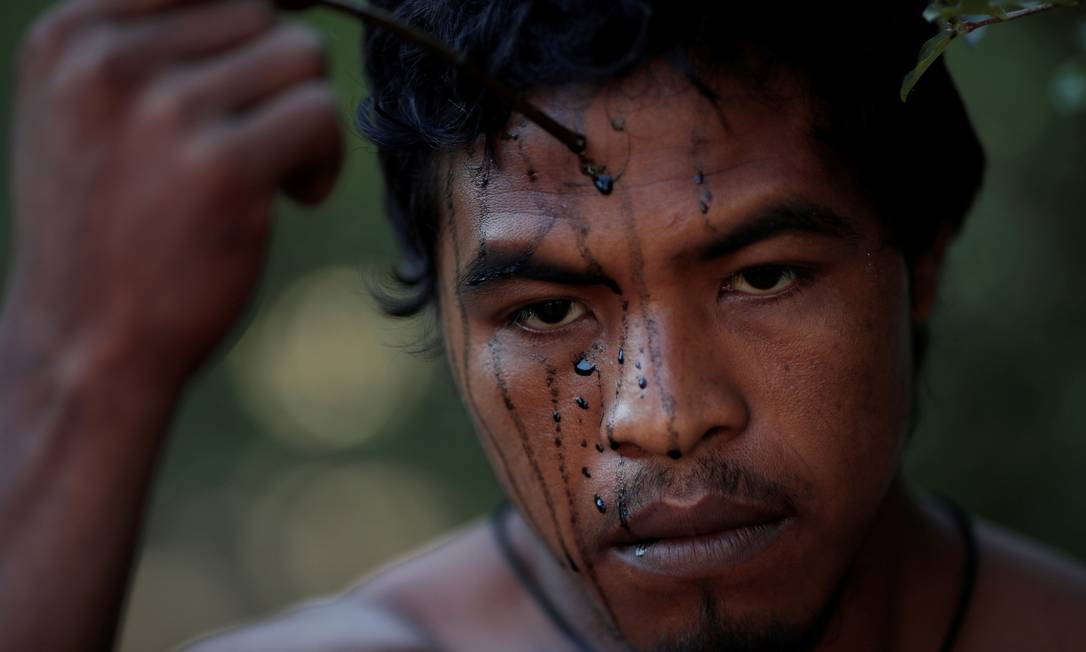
(549, 315)
(762, 281)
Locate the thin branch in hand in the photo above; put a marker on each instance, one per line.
(370, 15)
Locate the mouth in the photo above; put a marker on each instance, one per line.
(711, 536)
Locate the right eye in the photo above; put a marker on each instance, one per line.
(549, 315)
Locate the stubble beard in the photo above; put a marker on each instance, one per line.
(776, 635)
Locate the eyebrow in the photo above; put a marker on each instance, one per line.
(772, 221)
(492, 266)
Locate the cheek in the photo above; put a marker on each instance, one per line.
(536, 436)
(836, 393)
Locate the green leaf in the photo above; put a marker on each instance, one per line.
(931, 51)
(977, 6)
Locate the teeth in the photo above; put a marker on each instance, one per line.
(639, 549)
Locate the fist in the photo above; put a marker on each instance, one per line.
(150, 140)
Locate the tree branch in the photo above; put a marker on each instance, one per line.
(965, 28)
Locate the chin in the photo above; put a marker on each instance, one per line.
(715, 629)
(778, 605)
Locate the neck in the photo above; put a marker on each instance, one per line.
(899, 594)
(903, 585)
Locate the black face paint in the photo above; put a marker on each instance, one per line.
(585, 473)
(584, 366)
(698, 144)
(642, 383)
(601, 506)
(621, 377)
(605, 615)
(572, 564)
(623, 511)
(465, 362)
(582, 403)
(605, 183)
(637, 259)
(525, 440)
(705, 201)
(608, 616)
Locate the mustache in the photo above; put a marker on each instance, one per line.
(653, 482)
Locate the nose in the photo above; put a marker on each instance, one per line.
(673, 389)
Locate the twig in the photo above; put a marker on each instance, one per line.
(373, 15)
(965, 28)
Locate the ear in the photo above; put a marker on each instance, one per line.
(926, 274)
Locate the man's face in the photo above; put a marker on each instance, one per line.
(743, 340)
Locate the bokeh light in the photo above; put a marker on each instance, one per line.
(320, 369)
(177, 592)
(323, 525)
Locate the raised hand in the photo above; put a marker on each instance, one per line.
(150, 140)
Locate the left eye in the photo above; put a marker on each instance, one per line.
(549, 315)
(762, 281)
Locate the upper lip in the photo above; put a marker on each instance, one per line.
(705, 514)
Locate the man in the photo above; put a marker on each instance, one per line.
(693, 373)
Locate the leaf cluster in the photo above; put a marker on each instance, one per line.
(959, 17)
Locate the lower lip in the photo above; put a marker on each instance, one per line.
(702, 556)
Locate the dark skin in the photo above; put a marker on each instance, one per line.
(768, 320)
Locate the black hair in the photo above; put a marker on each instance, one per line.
(919, 163)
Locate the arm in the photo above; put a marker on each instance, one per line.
(150, 139)
(79, 440)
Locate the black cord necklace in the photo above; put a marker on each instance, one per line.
(962, 520)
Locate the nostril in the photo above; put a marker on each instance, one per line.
(712, 432)
(674, 453)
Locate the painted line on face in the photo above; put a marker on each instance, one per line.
(465, 354)
(529, 453)
(637, 261)
(702, 191)
(610, 426)
(577, 222)
(525, 441)
(607, 616)
(578, 541)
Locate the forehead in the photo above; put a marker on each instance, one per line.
(682, 164)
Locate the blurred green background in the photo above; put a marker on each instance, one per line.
(316, 446)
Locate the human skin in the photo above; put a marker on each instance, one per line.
(800, 394)
(798, 403)
(150, 140)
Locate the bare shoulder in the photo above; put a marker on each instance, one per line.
(438, 598)
(322, 626)
(1027, 596)
(463, 593)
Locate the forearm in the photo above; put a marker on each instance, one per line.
(79, 438)
(141, 227)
